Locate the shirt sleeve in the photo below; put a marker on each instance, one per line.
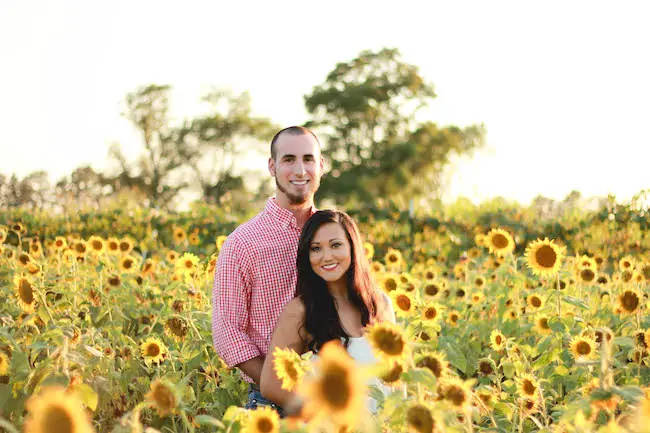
(231, 297)
(390, 311)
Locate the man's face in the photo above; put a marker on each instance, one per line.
(297, 168)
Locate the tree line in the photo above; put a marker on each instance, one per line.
(365, 112)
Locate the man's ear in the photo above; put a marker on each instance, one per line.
(322, 164)
(272, 167)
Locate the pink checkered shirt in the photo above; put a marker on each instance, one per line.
(255, 278)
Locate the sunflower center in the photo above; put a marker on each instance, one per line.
(432, 364)
(290, 370)
(26, 291)
(164, 398)
(153, 350)
(430, 313)
(456, 395)
(499, 241)
(454, 317)
(128, 264)
(420, 419)
(498, 339)
(630, 301)
(392, 258)
(124, 246)
(389, 342)
(583, 348)
(97, 245)
(264, 425)
(545, 256)
(404, 303)
(335, 387)
(57, 419)
(543, 323)
(529, 387)
(587, 275)
(431, 290)
(391, 285)
(535, 302)
(393, 374)
(485, 368)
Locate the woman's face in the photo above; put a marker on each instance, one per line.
(329, 252)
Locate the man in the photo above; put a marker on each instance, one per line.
(256, 270)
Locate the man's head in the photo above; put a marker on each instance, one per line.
(297, 165)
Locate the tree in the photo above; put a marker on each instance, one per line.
(83, 186)
(367, 111)
(220, 139)
(163, 154)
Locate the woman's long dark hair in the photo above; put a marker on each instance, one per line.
(321, 318)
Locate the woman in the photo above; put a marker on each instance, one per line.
(335, 298)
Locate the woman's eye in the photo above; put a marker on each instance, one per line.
(315, 249)
(336, 245)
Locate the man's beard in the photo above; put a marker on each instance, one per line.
(295, 199)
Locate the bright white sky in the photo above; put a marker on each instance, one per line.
(563, 87)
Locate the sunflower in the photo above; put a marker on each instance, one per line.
(486, 366)
(393, 259)
(128, 264)
(187, 263)
(497, 340)
(18, 228)
(510, 314)
(388, 341)
(453, 317)
(456, 391)
(389, 282)
(431, 312)
(97, 245)
(60, 243)
(194, 239)
(153, 351)
(114, 281)
(487, 397)
(644, 270)
(477, 298)
(420, 419)
(586, 275)
(262, 420)
(586, 262)
(403, 302)
(80, 247)
(337, 390)
(430, 274)
(629, 301)
(176, 328)
(25, 292)
(479, 281)
(148, 267)
(179, 235)
(627, 263)
(171, 256)
(113, 245)
(499, 242)
(3, 235)
(4, 364)
(527, 386)
(433, 289)
(369, 250)
(288, 368)
(541, 325)
(35, 248)
(479, 240)
(582, 347)
(391, 372)
(529, 405)
(54, 410)
(535, 302)
(434, 362)
(219, 241)
(126, 245)
(24, 259)
(163, 397)
(377, 268)
(544, 257)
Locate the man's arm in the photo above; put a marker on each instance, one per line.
(230, 310)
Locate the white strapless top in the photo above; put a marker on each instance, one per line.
(361, 351)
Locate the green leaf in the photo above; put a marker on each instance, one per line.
(505, 409)
(625, 342)
(208, 420)
(561, 370)
(629, 393)
(508, 370)
(575, 302)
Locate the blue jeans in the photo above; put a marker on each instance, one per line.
(256, 400)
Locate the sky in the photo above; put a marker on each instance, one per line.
(561, 86)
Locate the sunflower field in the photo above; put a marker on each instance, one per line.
(506, 323)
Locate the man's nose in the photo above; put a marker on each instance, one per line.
(299, 168)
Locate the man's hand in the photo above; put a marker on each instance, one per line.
(253, 368)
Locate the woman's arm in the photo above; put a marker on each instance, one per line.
(388, 310)
(285, 336)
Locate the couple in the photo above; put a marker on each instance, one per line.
(292, 277)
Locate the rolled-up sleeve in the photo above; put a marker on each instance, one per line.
(231, 296)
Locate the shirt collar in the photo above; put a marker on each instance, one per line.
(285, 216)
